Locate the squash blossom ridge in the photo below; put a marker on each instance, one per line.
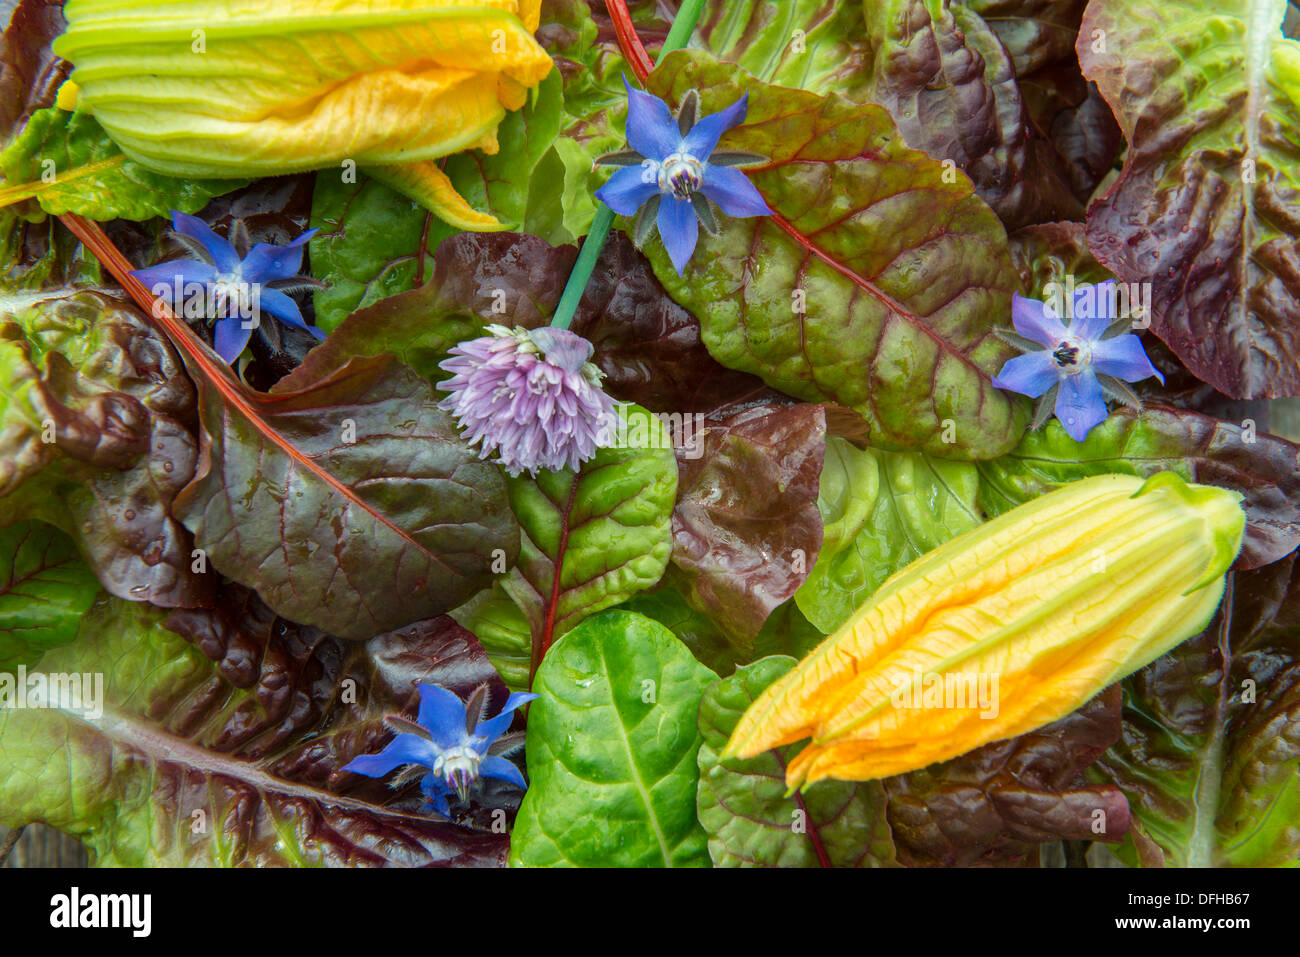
(234, 88)
(1057, 598)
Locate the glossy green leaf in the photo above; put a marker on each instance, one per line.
(913, 502)
(45, 589)
(611, 749)
(815, 45)
(882, 294)
(226, 749)
(593, 538)
(743, 805)
(503, 631)
(68, 164)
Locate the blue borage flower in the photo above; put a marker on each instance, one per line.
(1074, 369)
(263, 277)
(674, 177)
(451, 743)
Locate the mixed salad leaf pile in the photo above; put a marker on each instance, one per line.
(264, 559)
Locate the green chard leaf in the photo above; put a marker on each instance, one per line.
(1207, 207)
(67, 163)
(881, 510)
(594, 537)
(372, 237)
(226, 749)
(45, 589)
(743, 805)
(880, 283)
(612, 746)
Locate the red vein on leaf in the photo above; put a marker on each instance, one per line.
(628, 41)
(822, 859)
(207, 361)
(635, 53)
(547, 636)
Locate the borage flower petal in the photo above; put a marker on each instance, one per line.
(1067, 367)
(675, 167)
(456, 751)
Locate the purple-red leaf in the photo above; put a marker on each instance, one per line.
(746, 529)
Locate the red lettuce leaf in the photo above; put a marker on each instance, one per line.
(746, 528)
(1207, 207)
(1210, 751)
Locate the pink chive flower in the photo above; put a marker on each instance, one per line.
(531, 396)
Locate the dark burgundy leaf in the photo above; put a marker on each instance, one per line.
(994, 805)
(30, 74)
(746, 529)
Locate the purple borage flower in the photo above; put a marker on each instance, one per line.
(674, 177)
(234, 288)
(1074, 369)
(532, 396)
(449, 745)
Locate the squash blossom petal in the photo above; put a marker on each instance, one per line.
(1045, 606)
(235, 88)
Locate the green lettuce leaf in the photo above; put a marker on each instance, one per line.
(67, 163)
(815, 45)
(885, 509)
(45, 589)
(881, 290)
(612, 746)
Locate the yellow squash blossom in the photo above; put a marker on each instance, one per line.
(239, 88)
(1004, 629)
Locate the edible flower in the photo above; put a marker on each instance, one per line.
(532, 396)
(451, 743)
(1074, 369)
(230, 286)
(673, 175)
